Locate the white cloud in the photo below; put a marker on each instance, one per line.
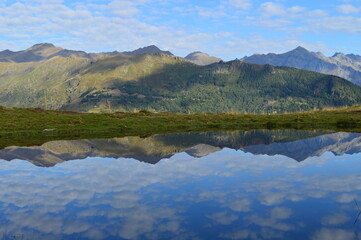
(44, 1)
(240, 4)
(296, 9)
(276, 15)
(113, 26)
(297, 20)
(217, 12)
(223, 9)
(281, 213)
(259, 44)
(335, 234)
(347, 24)
(318, 13)
(126, 25)
(348, 9)
(268, 221)
(123, 8)
(270, 9)
(223, 218)
(335, 219)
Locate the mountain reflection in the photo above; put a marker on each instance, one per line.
(228, 194)
(298, 145)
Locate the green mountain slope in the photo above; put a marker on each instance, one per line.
(162, 82)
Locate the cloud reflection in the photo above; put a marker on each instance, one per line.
(252, 197)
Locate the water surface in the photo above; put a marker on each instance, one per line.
(220, 185)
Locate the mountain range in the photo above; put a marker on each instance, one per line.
(346, 66)
(298, 145)
(148, 78)
(44, 51)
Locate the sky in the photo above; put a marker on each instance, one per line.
(224, 28)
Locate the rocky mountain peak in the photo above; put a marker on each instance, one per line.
(152, 49)
(41, 46)
(341, 58)
(338, 54)
(299, 50)
(195, 53)
(345, 66)
(6, 53)
(201, 58)
(354, 57)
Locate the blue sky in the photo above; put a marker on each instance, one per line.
(224, 28)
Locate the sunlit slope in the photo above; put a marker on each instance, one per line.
(30, 84)
(167, 83)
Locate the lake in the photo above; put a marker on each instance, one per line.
(219, 185)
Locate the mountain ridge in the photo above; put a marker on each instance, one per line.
(152, 49)
(168, 83)
(46, 51)
(151, 79)
(346, 66)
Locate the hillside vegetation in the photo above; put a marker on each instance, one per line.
(165, 83)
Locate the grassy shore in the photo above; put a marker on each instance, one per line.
(35, 126)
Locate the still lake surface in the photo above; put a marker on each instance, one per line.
(220, 185)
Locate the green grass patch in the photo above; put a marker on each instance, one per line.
(36, 126)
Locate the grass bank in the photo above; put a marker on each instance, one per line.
(35, 126)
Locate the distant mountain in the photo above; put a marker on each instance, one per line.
(354, 57)
(345, 66)
(6, 53)
(298, 145)
(44, 51)
(39, 52)
(202, 59)
(147, 50)
(161, 82)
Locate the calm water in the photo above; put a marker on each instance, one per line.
(235, 185)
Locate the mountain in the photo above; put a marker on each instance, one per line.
(201, 59)
(298, 145)
(345, 66)
(44, 51)
(162, 82)
(147, 50)
(337, 143)
(39, 52)
(354, 57)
